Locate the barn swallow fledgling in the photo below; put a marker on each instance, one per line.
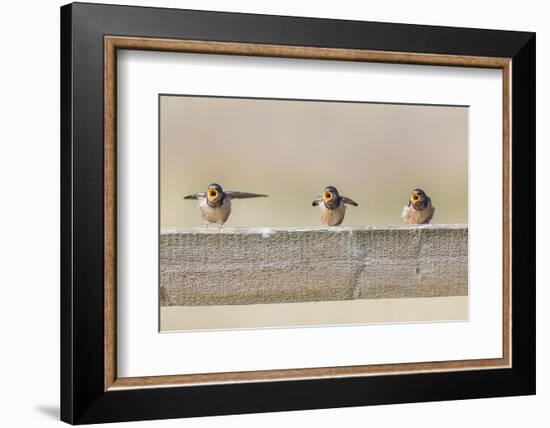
(215, 204)
(333, 206)
(419, 210)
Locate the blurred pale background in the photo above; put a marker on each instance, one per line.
(373, 153)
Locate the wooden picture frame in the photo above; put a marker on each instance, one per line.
(91, 391)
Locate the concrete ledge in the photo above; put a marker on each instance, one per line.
(201, 267)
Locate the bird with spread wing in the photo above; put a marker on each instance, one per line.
(333, 206)
(215, 204)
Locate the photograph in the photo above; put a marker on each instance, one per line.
(299, 212)
(269, 212)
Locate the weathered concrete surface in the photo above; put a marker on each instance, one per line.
(275, 265)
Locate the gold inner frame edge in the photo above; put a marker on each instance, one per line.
(113, 43)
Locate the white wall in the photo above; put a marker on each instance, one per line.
(29, 165)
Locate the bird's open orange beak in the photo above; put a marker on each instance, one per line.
(415, 197)
(327, 196)
(212, 193)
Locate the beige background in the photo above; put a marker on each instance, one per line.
(367, 311)
(374, 153)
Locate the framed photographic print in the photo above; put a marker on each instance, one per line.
(265, 213)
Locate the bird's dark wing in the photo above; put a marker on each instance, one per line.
(431, 215)
(349, 201)
(195, 195)
(316, 201)
(243, 195)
